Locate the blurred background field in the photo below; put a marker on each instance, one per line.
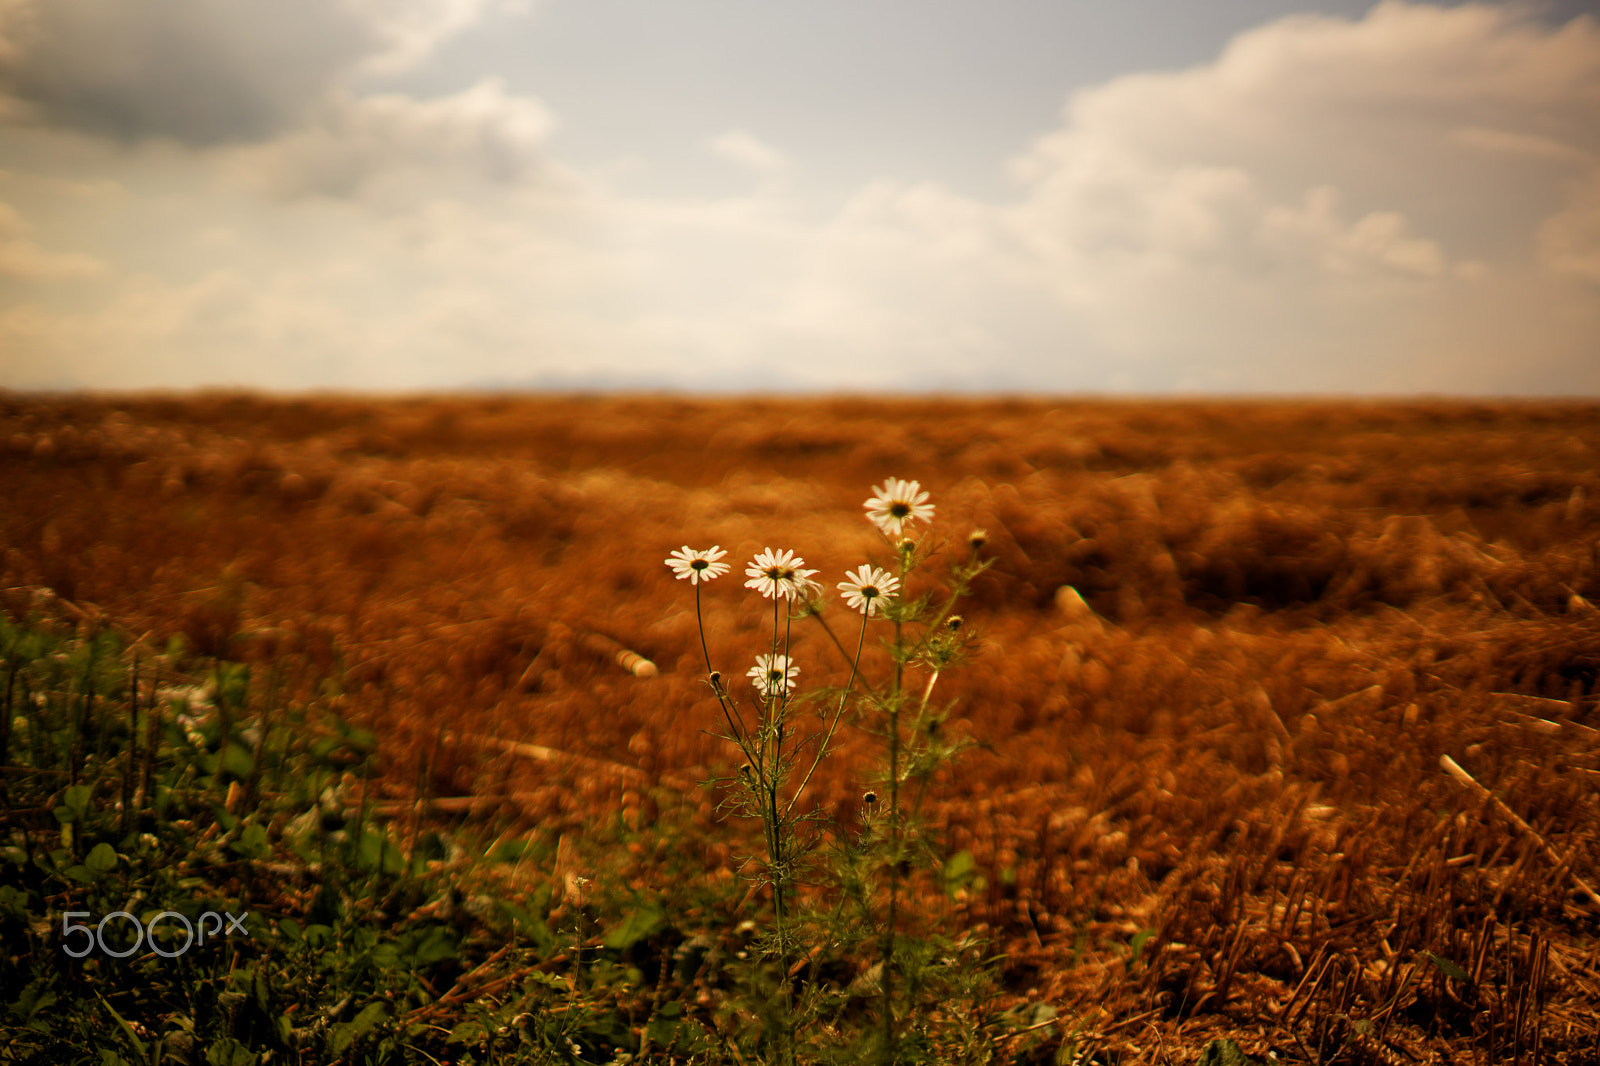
(1224, 648)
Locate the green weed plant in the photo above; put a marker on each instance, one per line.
(854, 969)
(144, 792)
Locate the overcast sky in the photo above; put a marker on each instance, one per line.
(1146, 196)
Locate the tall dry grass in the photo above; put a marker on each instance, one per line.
(1208, 796)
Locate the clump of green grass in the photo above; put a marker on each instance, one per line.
(191, 872)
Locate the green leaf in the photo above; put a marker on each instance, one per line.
(1225, 1052)
(252, 842)
(439, 944)
(512, 851)
(959, 870)
(77, 798)
(127, 1030)
(524, 922)
(102, 858)
(81, 874)
(342, 1036)
(229, 1052)
(290, 930)
(14, 902)
(34, 999)
(375, 851)
(635, 927)
(1448, 968)
(1137, 942)
(262, 990)
(468, 1032)
(233, 683)
(237, 761)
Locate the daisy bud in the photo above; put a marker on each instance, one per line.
(953, 622)
(908, 545)
(869, 799)
(978, 538)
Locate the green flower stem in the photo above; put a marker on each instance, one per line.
(838, 714)
(894, 823)
(963, 580)
(701, 623)
(852, 660)
(729, 709)
(778, 865)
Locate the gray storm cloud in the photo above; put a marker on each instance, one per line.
(197, 71)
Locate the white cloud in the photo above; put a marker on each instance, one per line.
(1306, 213)
(1569, 241)
(1409, 202)
(484, 132)
(411, 29)
(1513, 142)
(1314, 230)
(744, 150)
(200, 71)
(23, 260)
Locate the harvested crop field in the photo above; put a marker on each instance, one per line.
(1286, 716)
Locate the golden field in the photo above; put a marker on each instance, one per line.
(1225, 649)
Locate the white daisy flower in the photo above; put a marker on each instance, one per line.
(697, 566)
(866, 587)
(773, 675)
(777, 574)
(898, 504)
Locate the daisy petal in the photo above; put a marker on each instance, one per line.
(777, 573)
(697, 566)
(773, 675)
(868, 588)
(898, 504)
